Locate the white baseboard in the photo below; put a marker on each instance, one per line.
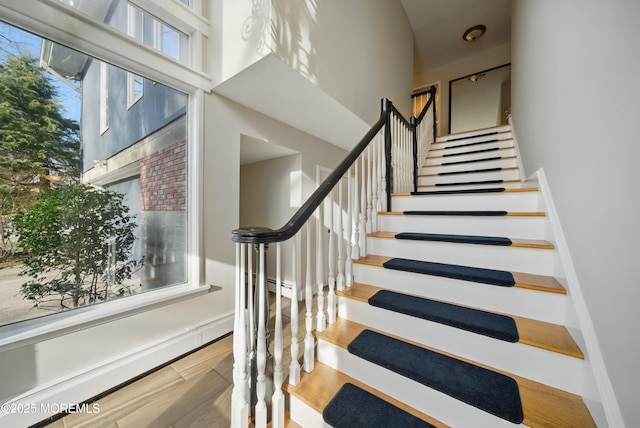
(37, 405)
(604, 386)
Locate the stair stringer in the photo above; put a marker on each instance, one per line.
(517, 149)
(598, 391)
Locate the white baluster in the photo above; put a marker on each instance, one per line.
(294, 367)
(340, 234)
(250, 302)
(348, 267)
(374, 185)
(261, 347)
(380, 150)
(277, 401)
(331, 295)
(383, 196)
(308, 338)
(363, 210)
(355, 217)
(240, 406)
(320, 317)
(369, 192)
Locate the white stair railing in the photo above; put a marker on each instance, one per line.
(382, 163)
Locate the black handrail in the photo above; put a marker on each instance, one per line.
(265, 235)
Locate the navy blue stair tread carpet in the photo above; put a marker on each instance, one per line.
(472, 161)
(471, 144)
(458, 213)
(460, 239)
(476, 321)
(453, 192)
(484, 276)
(468, 183)
(470, 136)
(472, 152)
(471, 171)
(482, 388)
(353, 407)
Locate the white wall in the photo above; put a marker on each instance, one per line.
(357, 51)
(227, 123)
(483, 60)
(576, 107)
(352, 54)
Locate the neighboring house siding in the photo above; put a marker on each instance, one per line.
(158, 107)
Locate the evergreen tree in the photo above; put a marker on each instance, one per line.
(38, 145)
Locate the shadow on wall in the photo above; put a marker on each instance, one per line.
(293, 29)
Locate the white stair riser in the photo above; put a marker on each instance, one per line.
(511, 174)
(436, 404)
(304, 415)
(499, 129)
(468, 157)
(465, 146)
(510, 226)
(504, 201)
(531, 260)
(543, 306)
(557, 370)
(470, 186)
(500, 163)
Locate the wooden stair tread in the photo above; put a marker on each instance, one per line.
(475, 160)
(455, 134)
(462, 144)
(540, 334)
(520, 243)
(542, 405)
(522, 280)
(514, 213)
(506, 190)
(468, 184)
(511, 168)
(470, 153)
(316, 389)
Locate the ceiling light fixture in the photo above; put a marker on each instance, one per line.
(477, 77)
(474, 33)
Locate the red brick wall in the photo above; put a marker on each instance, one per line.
(163, 179)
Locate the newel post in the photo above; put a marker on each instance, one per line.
(414, 133)
(386, 110)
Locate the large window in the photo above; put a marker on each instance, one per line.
(93, 189)
(137, 23)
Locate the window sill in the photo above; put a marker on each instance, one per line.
(27, 332)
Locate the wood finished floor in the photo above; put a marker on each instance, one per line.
(194, 391)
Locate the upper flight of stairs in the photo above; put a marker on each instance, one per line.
(462, 275)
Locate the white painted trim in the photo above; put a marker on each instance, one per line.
(521, 170)
(66, 25)
(81, 386)
(605, 388)
(13, 336)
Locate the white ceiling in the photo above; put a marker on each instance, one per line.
(438, 26)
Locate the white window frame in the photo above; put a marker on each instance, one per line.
(104, 97)
(52, 20)
(133, 94)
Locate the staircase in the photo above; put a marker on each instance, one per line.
(458, 315)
